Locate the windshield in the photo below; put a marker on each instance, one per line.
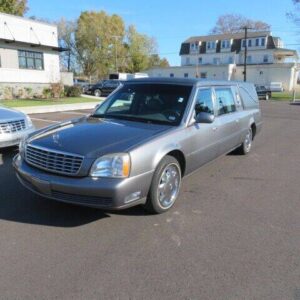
(151, 103)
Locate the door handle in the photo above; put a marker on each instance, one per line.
(237, 121)
(215, 128)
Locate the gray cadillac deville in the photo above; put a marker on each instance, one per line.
(138, 144)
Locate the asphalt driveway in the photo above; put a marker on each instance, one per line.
(233, 234)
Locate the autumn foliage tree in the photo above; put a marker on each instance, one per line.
(233, 23)
(100, 43)
(14, 7)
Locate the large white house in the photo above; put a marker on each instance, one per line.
(222, 57)
(29, 53)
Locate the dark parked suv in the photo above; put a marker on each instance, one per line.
(263, 92)
(102, 88)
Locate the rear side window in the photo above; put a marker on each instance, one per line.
(225, 101)
(204, 102)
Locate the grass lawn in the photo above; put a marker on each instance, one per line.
(282, 96)
(40, 102)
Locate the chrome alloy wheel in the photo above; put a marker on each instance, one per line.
(168, 186)
(248, 140)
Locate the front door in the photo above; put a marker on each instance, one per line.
(203, 137)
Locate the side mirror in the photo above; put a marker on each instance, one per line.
(205, 118)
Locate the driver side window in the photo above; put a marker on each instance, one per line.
(204, 102)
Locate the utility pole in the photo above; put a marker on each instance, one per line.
(116, 37)
(245, 28)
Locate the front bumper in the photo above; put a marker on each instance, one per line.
(13, 139)
(107, 193)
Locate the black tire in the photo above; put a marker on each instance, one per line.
(245, 148)
(155, 204)
(97, 93)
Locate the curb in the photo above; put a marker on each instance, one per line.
(61, 107)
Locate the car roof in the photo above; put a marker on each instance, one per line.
(182, 81)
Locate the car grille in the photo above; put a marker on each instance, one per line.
(12, 126)
(52, 161)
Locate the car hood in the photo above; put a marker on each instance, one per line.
(7, 114)
(93, 137)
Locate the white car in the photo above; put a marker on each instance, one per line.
(14, 126)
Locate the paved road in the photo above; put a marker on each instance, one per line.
(234, 233)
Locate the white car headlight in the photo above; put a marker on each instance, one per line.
(114, 166)
(28, 121)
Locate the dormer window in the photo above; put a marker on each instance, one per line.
(211, 45)
(194, 46)
(225, 44)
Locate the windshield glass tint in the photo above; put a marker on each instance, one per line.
(156, 103)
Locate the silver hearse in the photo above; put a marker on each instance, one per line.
(138, 144)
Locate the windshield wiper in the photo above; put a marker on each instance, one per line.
(133, 119)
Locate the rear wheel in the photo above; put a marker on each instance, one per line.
(165, 186)
(245, 148)
(97, 93)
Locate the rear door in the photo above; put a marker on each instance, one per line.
(227, 120)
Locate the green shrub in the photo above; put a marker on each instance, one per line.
(47, 93)
(73, 91)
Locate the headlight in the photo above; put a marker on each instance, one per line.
(29, 122)
(114, 166)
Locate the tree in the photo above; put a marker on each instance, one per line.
(14, 7)
(294, 16)
(233, 23)
(98, 37)
(156, 61)
(100, 44)
(139, 48)
(66, 38)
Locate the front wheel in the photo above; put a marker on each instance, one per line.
(97, 93)
(165, 186)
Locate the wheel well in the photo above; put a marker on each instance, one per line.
(181, 159)
(253, 127)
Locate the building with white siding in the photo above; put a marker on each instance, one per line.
(29, 52)
(222, 57)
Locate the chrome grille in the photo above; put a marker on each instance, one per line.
(53, 161)
(12, 126)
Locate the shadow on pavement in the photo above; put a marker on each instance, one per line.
(19, 205)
